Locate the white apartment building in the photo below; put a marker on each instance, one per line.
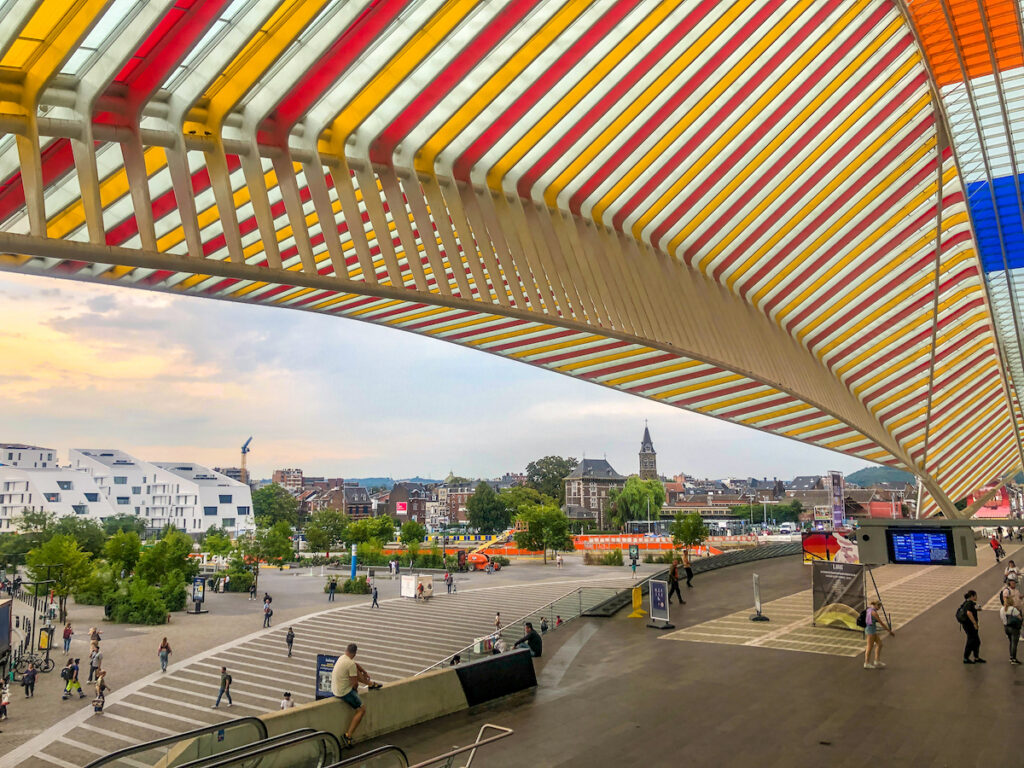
(61, 491)
(29, 456)
(221, 501)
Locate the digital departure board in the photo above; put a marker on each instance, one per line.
(921, 547)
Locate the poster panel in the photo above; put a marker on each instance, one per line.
(324, 667)
(199, 589)
(659, 600)
(838, 594)
(839, 546)
(837, 496)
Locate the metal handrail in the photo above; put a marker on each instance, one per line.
(363, 757)
(275, 745)
(168, 740)
(471, 748)
(272, 741)
(521, 620)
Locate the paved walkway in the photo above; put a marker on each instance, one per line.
(400, 639)
(907, 591)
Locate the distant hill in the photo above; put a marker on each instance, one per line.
(871, 475)
(387, 482)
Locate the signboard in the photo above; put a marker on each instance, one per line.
(402, 507)
(408, 585)
(324, 668)
(659, 600)
(837, 497)
(822, 514)
(634, 551)
(921, 547)
(839, 546)
(199, 589)
(838, 594)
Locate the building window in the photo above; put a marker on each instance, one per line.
(92, 497)
(242, 510)
(225, 498)
(80, 509)
(227, 522)
(209, 510)
(120, 480)
(52, 496)
(136, 489)
(123, 499)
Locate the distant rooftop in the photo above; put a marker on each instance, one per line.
(595, 469)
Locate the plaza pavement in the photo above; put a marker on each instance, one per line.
(399, 640)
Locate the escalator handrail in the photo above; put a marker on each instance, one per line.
(264, 747)
(355, 760)
(201, 762)
(155, 743)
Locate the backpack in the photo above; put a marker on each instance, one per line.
(961, 613)
(65, 674)
(269, 612)
(862, 618)
(1013, 622)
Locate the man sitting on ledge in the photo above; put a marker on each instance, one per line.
(345, 680)
(532, 639)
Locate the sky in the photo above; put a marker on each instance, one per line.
(177, 378)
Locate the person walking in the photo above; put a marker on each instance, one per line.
(289, 639)
(687, 568)
(70, 675)
(373, 593)
(994, 543)
(164, 652)
(967, 615)
(252, 591)
(28, 680)
(225, 688)
(101, 692)
(95, 661)
(497, 621)
(267, 613)
(673, 582)
(345, 679)
(448, 581)
(873, 619)
(332, 587)
(95, 635)
(1010, 613)
(67, 637)
(5, 700)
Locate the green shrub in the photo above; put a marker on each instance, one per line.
(327, 584)
(137, 603)
(174, 595)
(97, 587)
(357, 586)
(239, 581)
(500, 560)
(603, 558)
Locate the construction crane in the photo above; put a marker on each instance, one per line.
(244, 474)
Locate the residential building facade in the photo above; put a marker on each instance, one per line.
(64, 492)
(587, 488)
(289, 479)
(27, 456)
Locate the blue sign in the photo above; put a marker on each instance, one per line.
(324, 669)
(199, 589)
(933, 547)
(659, 600)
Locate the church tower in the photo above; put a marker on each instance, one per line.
(648, 457)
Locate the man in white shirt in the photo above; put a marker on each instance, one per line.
(345, 680)
(286, 702)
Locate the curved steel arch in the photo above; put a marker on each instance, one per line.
(747, 209)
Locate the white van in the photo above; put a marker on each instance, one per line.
(789, 528)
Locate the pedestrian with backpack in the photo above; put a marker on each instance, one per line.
(1010, 613)
(967, 615)
(267, 613)
(28, 680)
(289, 639)
(873, 619)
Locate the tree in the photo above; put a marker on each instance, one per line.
(518, 497)
(545, 527)
(381, 528)
(216, 541)
(358, 531)
(486, 511)
(168, 559)
(272, 504)
(123, 550)
(326, 530)
(633, 501)
(546, 475)
(275, 542)
(412, 534)
(37, 527)
(688, 530)
(71, 566)
(112, 525)
(88, 533)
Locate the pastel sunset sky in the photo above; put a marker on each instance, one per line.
(178, 378)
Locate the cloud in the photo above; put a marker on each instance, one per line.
(180, 378)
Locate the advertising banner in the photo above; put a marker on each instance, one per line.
(324, 668)
(199, 589)
(837, 497)
(659, 600)
(838, 594)
(838, 546)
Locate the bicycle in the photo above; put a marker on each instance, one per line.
(42, 663)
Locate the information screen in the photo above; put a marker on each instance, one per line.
(921, 547)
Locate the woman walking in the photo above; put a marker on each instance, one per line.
(1011, 615)
(101, 692)
(968, 617)
(164, 652)
(28, 681)
(67, 637)
(873, 619)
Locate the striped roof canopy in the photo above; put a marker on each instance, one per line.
(766, 211)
